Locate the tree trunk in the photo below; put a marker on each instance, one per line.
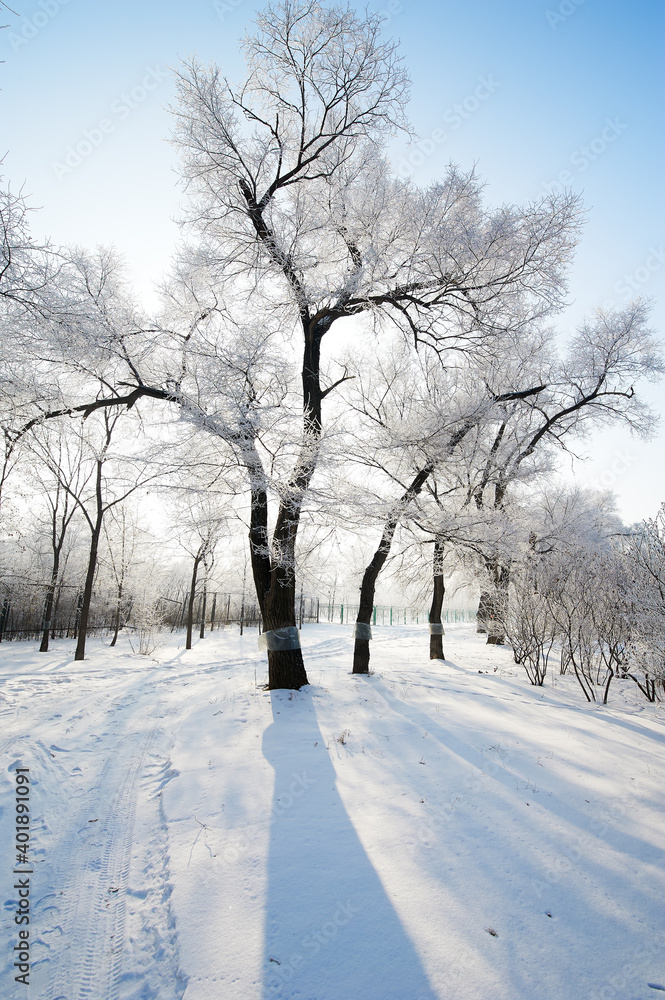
(59, 528)
(484, 611)
(203, 610)
(77, 615)
(492, 604)
(4, 617)
(190, 603)
(438, 592)
(286, 668)
(368, 585)
(49, 603)
(275, 586)
(116, 623)
(87, 592)
(56, 606)
(367, 591)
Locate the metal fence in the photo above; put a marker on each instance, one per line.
(21, 614)
(391, 615)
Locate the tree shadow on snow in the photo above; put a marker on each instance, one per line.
(331, 931)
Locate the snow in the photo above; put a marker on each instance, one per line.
(434, 830)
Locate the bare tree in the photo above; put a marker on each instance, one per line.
(292, 199)
(645, 558)
(592, 385)
(120, 550)
(297, 225)
(418, 416)
(204, 524)
(98, 488)
(60, 475)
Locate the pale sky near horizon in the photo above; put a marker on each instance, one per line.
(534, 93)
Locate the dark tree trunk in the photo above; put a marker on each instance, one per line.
(4, 617)
(60, 520)
(274, 580)
(275, 590)
(204, 597)
(116, 621)
(56, 606)
(438, 592)
(370, 576)
(95, 533)
(286, 668)
(77, 614)
(87, 592)
(49, 603)
(120, 578)
(367, 590)
(190, 603)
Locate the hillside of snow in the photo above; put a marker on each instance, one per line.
(434, 830)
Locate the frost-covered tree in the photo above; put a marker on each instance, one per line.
(292, 200)
(414, 416)
(594, 384)
(568, 587)
(104, 479)
(57, 470)
(121, 533)
(298, 225)
(201, 522)
(645, 556)
(28, 274)
(27, 269)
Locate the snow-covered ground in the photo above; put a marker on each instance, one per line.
(430, 831)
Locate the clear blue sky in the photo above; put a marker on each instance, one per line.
(533, 93)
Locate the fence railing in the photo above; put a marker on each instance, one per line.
(23, 622)
(391, 614)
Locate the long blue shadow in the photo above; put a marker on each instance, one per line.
(331, 931)
(557, 804)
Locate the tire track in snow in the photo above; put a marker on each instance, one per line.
(87, 966)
